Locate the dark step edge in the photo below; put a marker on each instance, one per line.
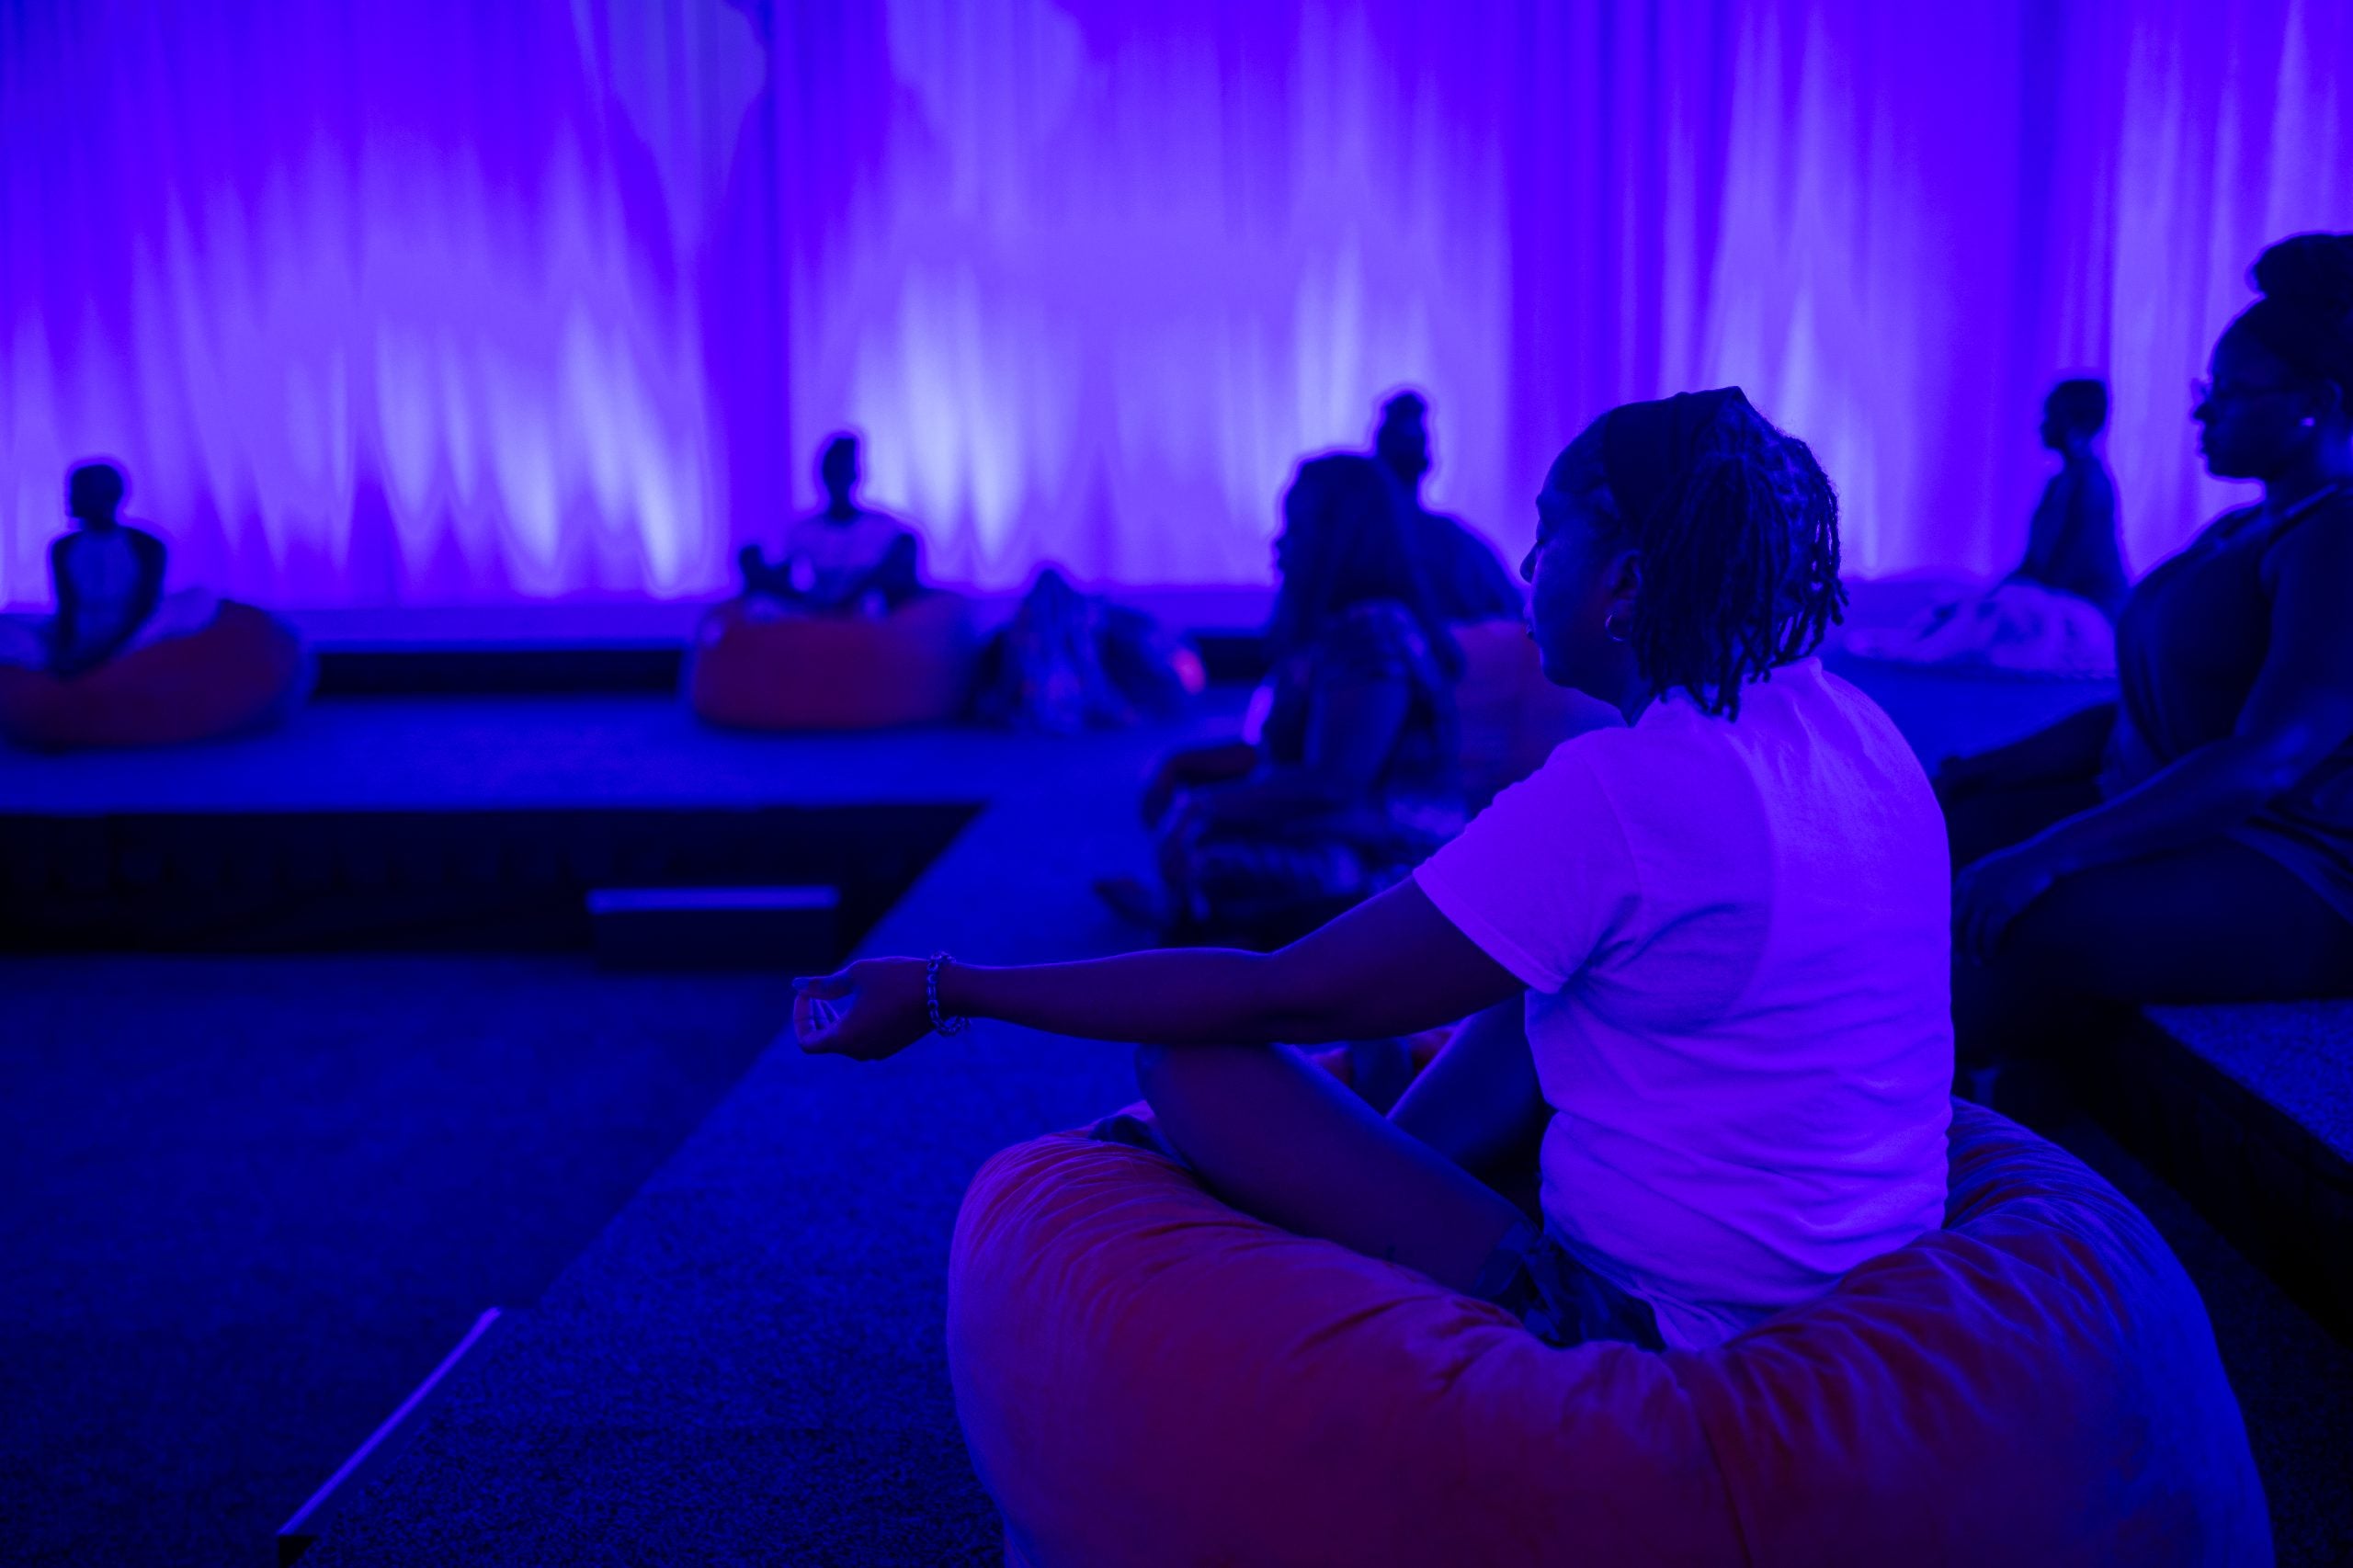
(2276, 1190)
(301, 1532)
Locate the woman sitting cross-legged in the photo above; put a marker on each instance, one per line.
(1703, 953)
(1356, 775)
(2194, 843)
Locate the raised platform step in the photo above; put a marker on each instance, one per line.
(639, 647)
(795, 929)
(466, 879)
(2247, 1111)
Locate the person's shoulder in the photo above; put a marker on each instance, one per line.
(1375, 638)
(1374, 621)
(2091, 474)
(2320, 543)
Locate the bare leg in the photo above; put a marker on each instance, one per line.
(1278, 1137)
(1479, 1103)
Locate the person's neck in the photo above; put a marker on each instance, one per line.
(843, 511)
(2325, 466)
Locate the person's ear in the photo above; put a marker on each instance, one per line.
(2325, 408)
(1625, 577)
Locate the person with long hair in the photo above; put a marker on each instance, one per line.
(1702, 953)
(2193, 841)
(1355, 776)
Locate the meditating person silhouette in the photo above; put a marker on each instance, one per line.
(108, 576)
(2072, 545)
(1702, 950)
(2054, 614)
(1356, 775)
(2193, 842)
(844, 557)
(1467, 581)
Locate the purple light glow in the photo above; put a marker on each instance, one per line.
(435, 303)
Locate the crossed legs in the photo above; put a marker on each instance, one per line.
(1278, 1137)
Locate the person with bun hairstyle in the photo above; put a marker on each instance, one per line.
(1703, 953)
(2193, 841)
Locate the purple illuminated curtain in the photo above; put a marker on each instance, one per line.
(430, 302)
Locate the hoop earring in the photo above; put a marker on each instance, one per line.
(1615, 631)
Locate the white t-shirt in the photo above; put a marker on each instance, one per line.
(825, 557)
(1736, 938)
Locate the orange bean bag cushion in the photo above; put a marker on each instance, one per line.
(243, 669)
(1146, 1376)
(808, 672)
(1512, 717)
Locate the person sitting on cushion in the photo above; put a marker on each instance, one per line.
(108, 576)
(2054, 614)
(844, 557)
(2193, 842)
(1467, 581)
(1355, 775)
(2072, 544)
(1704, 952)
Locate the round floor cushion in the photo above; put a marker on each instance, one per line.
(764, 670)
(243, 668)
(1146, 1376)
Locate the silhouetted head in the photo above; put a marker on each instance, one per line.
(1345, 541)
(1682, 543)
(2075, 411)
(94, 492)
(837, 472)
(2281, 379)
(1402, 441)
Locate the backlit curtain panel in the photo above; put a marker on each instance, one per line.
(436, 302)
(392, 301)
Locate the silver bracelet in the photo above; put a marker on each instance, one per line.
(941, 1023)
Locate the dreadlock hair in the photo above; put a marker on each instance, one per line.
(1740, 556)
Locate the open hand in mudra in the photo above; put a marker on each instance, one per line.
(873, 1009)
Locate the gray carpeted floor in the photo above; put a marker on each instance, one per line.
(745, 1364)
(246, 1204)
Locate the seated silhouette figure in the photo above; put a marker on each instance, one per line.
(1467, 581)
(844, 558)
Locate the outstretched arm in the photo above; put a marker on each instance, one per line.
(1391, 966)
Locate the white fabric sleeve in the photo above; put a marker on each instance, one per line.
(1543, 877)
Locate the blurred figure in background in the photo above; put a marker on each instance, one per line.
(109, 580)
(108, 575)
(2054, 615)
(846, 558)
(2072, 545)
(1467, 581)
(1356, 777)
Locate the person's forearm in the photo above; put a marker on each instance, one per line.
(1176, 996)
(2210, 791)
